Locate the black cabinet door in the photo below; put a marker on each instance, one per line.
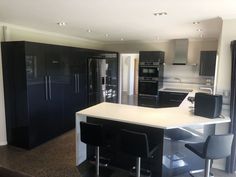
(171, 99)
(75, 97)
(36, 89)
(81, 62)
(56, 69)
(207, 63)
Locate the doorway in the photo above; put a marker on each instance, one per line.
(129, 78)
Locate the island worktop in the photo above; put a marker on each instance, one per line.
(164, 118)
(168, 128)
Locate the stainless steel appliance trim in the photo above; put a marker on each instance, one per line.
(49, 87)
(148, 95)
(154, 82)
(148, 78)
(78, 83)
(150, 66)
(46, 87)
(75, 82)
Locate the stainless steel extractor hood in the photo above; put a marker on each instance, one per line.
(180, 51)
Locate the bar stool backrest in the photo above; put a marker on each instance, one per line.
(91, 134)
(134, 143)
(218, 146)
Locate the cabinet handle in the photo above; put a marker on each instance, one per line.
(46, 87)
(75, 78)
(178, 94)
(78, 89)
(49, 87)
(148, 95)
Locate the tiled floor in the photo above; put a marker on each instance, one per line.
(56, 158)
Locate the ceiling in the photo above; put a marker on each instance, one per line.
(132, 20)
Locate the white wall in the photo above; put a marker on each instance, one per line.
(3, 139)
(223, 79)
(17, 33)
(128, 62)
(125, 72)
(228, 34)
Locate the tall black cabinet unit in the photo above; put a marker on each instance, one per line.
(44, 85)
(207, 63)
(75, 90)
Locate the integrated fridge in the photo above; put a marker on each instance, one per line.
(103, 79)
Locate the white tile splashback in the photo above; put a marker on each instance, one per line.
(181, 71)
(185, 76)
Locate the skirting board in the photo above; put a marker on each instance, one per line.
(3, 143)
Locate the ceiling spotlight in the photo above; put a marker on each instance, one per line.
(196, 23)
(160, 13)
(199, 30)
(61, 23)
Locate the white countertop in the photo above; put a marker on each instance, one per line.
(165, 118)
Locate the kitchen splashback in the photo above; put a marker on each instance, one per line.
(186, 76)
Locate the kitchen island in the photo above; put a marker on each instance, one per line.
(168, 128)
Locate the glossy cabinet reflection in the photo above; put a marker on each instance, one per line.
(44, 86)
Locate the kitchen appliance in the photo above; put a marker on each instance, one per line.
(102, 80)
(150, 77)
(180, 51)
(207, 105)
(148, 86)
(150, 69)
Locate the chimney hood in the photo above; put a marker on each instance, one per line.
(180, 51)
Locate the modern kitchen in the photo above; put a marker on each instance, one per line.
(83, 97)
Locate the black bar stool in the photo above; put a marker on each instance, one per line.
(92, 134)
(215, 147)
(137, 145)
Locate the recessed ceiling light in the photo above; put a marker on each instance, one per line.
(122, 39)
(160, 13)
(61, 23)
(89, 30)
(107, 35)
(196, 23)
(199, 30)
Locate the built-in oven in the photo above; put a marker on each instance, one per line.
(148, 86)
(149, 69)
(148, 91)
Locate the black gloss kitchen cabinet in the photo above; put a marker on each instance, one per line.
(75, 88)
(171, 99)
(44, 85)
(207, 63)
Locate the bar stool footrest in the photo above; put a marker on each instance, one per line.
(198, 171)
(143, 172)
(103, 162)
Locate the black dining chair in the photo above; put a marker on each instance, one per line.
(92, 134)
(136, 144)
(215, 147)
